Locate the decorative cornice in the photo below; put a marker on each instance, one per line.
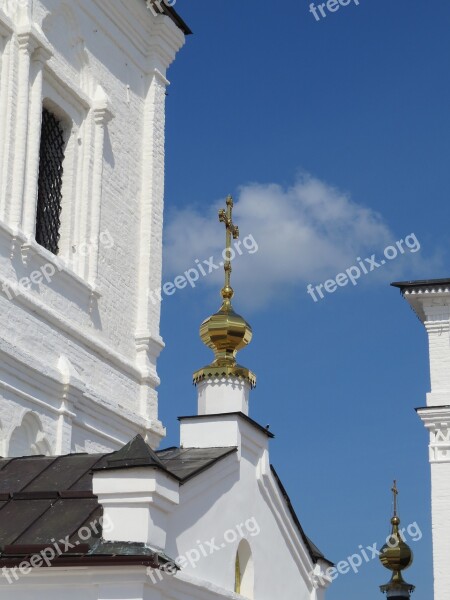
(51, 383)
(30, 39)
(429, 302)
(441, 325)
(166, 40)
(137, 30)
(437, 421)
(42, 55)
(227, 372)
(149, 342)
(424, 291)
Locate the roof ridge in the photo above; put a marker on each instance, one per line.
(137, 453)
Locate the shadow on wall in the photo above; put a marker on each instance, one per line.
(28, 439)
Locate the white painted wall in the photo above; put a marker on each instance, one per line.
(79, 347)
(432, 305)
(201, 524)
(223, 396)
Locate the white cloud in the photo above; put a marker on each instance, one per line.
(307, 233)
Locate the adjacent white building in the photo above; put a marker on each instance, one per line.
(89, 508)
(430, 300)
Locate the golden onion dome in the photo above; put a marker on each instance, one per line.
(226, 332)
(396, 556)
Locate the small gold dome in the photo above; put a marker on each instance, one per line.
(396, 555)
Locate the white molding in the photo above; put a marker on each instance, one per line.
(32, 251)
(143, 35)
(102, 113)
(132, 20)
(440, 325)
(78, 577)
(10, 237)
(55, 390)
(97, 346)
(288, 528)
(429, 301)
(437, 422)
(181, 584)
(7, 51)
(6, 25)
(166, 40)
(29, 41)
(150, 229)
(28, 220)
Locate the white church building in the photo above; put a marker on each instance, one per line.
(90, 507)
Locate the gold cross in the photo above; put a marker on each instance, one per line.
(395, 492)
(232, 231)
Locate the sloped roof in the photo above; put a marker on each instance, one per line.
(50, 498)
(404, 285)
(134, 454)
(43, 499)
(313, 550)
(172, 13)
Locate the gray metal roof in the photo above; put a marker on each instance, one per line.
(420, 283)
(48, 498)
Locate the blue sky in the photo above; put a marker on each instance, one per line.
(334, 138)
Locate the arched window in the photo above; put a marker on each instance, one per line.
(244, 571)
(28, 439)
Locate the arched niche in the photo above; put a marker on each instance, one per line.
(244, 571)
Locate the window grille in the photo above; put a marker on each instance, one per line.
(51, 158)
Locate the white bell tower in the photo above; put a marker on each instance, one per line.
(82, 118)
(430, 300)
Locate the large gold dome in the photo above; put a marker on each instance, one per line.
(226, 332)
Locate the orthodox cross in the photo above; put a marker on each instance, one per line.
(232, 231)
(395, 492)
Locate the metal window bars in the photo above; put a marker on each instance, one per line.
(51, 157)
